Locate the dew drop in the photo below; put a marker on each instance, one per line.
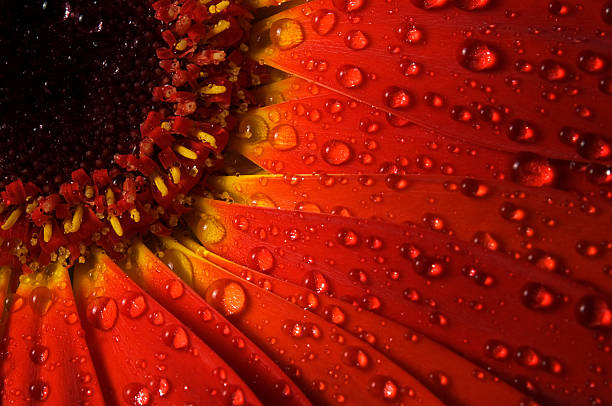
(474, 188)
(533, 170)
(430, 4)
(348, 6)
(283, 137)
(397, 98)
(558, 8)
(497, 350)
(591, 62)
(175, 336)
(472, 5)
(253, 129)
(348, 238)
(350, 76)
(538, 297)
(594, 146)
(286, 33)
(478, 56)
(553, 71)
(226, 296)
(383, 387)
(41, 300)
(336, 152)
(522, 132)
(594, 312)
(528, 357)
(316, 281)
(39, 390)
(606, 13)
(323, 21)
(136, 394)
(208, 229)
(355, 357)
(133, 304)
(174, 289)
(334, 314)
(102, 312)
(39, 354)
(356, 40)
(262, 259)
(605, 84)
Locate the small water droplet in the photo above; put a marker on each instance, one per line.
(39, 354)
(175, 336)
(174, 289)
(554, 71)
(383, 387)
(472, 5)
(226, 296)
(286, 33)
(336, 152)
(262, 259)
(136, 394)
(497, 350)
(253, 128)
(355, 357)
(397, 98)
(350, 76)
(102, 312)
(538, 297)
(323, 21)
(478, 56)
(41, 300)
(283, 137)
(133, 304)
(522, 132)
(39, 390)
(348, 6)
(356, 40)
(180, 264)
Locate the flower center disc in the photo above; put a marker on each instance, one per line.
(75, 83)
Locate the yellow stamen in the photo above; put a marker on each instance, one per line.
(161, 186)
(175, 173)
(12, 218)
(116, 224)
(166, 126)
(89, 192)
(77, 219)
(212, 89)
(184, 151)
(47, 232)
(208, 138)
(181, 45)
(135, 215)
(110, 197)
(218, 28)
(219, 7)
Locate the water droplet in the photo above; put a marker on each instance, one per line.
(478, 56)
(383, 387)
(473, 188)
(253, 128)
(554, 71)
(175, 336)
(429, 4)
(471, 5)
(588, 249)
(180, 264)
(102, 312)
(136, 394)
(533, 170)
(348, 238)
(528, 357)
(435, 100)
(174, 289)
(41, 300)
(316, 281)
(594, 146)
(133, 304)
(349, 6)
(209, 230)
(594, 312)
(323, 21)
(356, 40)
(510, 211)
(558, 8)
(538, 297)
(497, 350)
(605, 84)
(606, 13)
(308, 207)
(226, 296)
(283, 137)
(336, 152)
(39, 354)
(397, 98)
(591, 62)
(334, 314)
(262, 259)
(350, 76)
(411, 34)
(355, 357)
(522, 132)
(286, 33)
(39, 390)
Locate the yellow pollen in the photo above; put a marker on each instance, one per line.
(218, 28)
(110, 197)
(116, 224)
(208, 138)
(47, 232)
(175, 173)
(212, 89)
(166, 126)
(161, 186)
(181, 45)
(12, 218)
(89, 192)
(186, 152)
(77, 219)
(219, 7)
(135, 215)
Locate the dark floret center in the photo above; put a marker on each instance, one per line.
(75, 83)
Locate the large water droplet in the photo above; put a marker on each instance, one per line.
(262, 259)
(41, 300)
(102, 312)
(336, 152)
(175, 336)
(478, 56)
(227, 296)
(253, 128)
(208, 229)
(286, 33)
(594, 312)
(533, 170)
(350, 76)
(39, 390)
(283, 137)
(323, 21)
(133, 304)
(136, 394)
(594, 146)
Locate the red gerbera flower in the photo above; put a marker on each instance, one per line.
(325, 202)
